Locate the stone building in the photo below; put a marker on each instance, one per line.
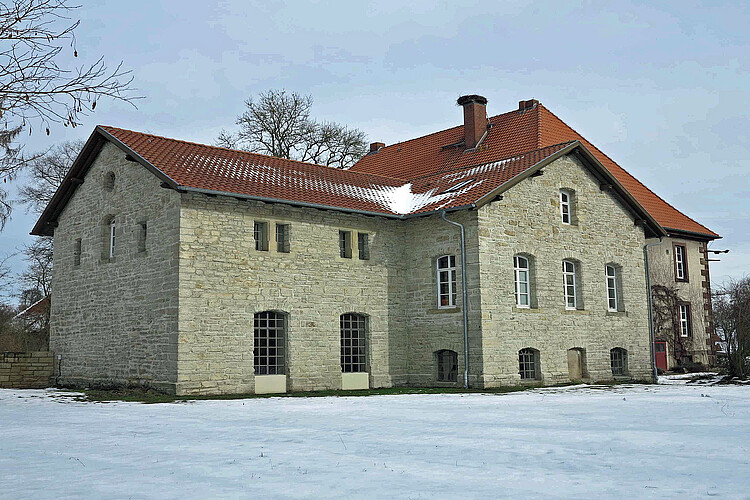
(507, 250)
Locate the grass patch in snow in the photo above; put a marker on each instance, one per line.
(149, 396)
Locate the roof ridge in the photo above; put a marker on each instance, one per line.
(240, 151)
(620, 167)
(474, 165)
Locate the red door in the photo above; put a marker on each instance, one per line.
(660, 349)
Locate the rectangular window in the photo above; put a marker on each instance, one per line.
(684, 310)
(283, 238)
(527, 364)
(612, 299)
(142, 235)
(353, 346)
(260, 233)
(269, 330)
(680, 263)
(521, 275)
(345, 244)
(77, 252)
(446, 273)
(112, 232)
(363, 244)
(569, 285)
(565, 207)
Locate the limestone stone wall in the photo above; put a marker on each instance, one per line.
(696, 291)
(114, 321)
(527, 221)
(224, 281)
(26, 370)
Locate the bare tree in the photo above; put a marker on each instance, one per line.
(46, 172)
(279, 124)
(36, 87)
(731, 306)
(38, 272)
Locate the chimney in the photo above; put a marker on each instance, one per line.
(527, 105)
(376, 146)
(475, 118)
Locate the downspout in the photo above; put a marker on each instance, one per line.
(465, 303)
(654, 373)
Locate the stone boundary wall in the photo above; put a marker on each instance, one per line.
(26, 370)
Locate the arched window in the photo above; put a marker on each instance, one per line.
(570, 284)
(270, 341)
(109, 181)
(618, 358)
(528, 364)
(447, 365)
(522, 281)
(353, 343)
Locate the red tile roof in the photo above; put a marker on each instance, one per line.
(209, 168)
(510, 134)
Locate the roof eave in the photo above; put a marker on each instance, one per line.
(692, 234)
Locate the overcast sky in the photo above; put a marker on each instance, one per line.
(661, 87)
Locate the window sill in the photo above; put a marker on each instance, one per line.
(622, 314)
(575, 311)
(444, 310)
(525, 309)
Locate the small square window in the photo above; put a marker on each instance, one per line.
(283, 238)
(363, 244)
(345, 244)
(260, 233)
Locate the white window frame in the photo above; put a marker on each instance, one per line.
(684, 320)
(565, 206)
(679, 259)
(112, 235)
(450, 272)
(518, 269)
(611, 272)
(568, 283)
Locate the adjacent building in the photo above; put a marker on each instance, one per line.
(504, 251)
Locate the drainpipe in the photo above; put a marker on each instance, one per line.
(654, 373)
(465, 301)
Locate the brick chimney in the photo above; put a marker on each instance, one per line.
(475, 118)
(527, 105)
(376, 146)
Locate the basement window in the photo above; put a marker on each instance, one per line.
(260, 233)
(618, 359)
(447, 365)
(528, 364)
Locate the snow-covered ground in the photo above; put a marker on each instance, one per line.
(658, 441)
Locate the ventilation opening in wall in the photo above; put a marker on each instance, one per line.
(142, 236)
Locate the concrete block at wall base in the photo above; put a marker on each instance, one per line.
(355, 381)
(270, 384)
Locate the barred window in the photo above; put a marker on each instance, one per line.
(446, 273)
(260, 233)
(618, 358)
(269, 336)
(521, 281)
(528, 361)
(353, 343)
(283, 238)
(345, 244)
(363, 244)
(447, 365)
